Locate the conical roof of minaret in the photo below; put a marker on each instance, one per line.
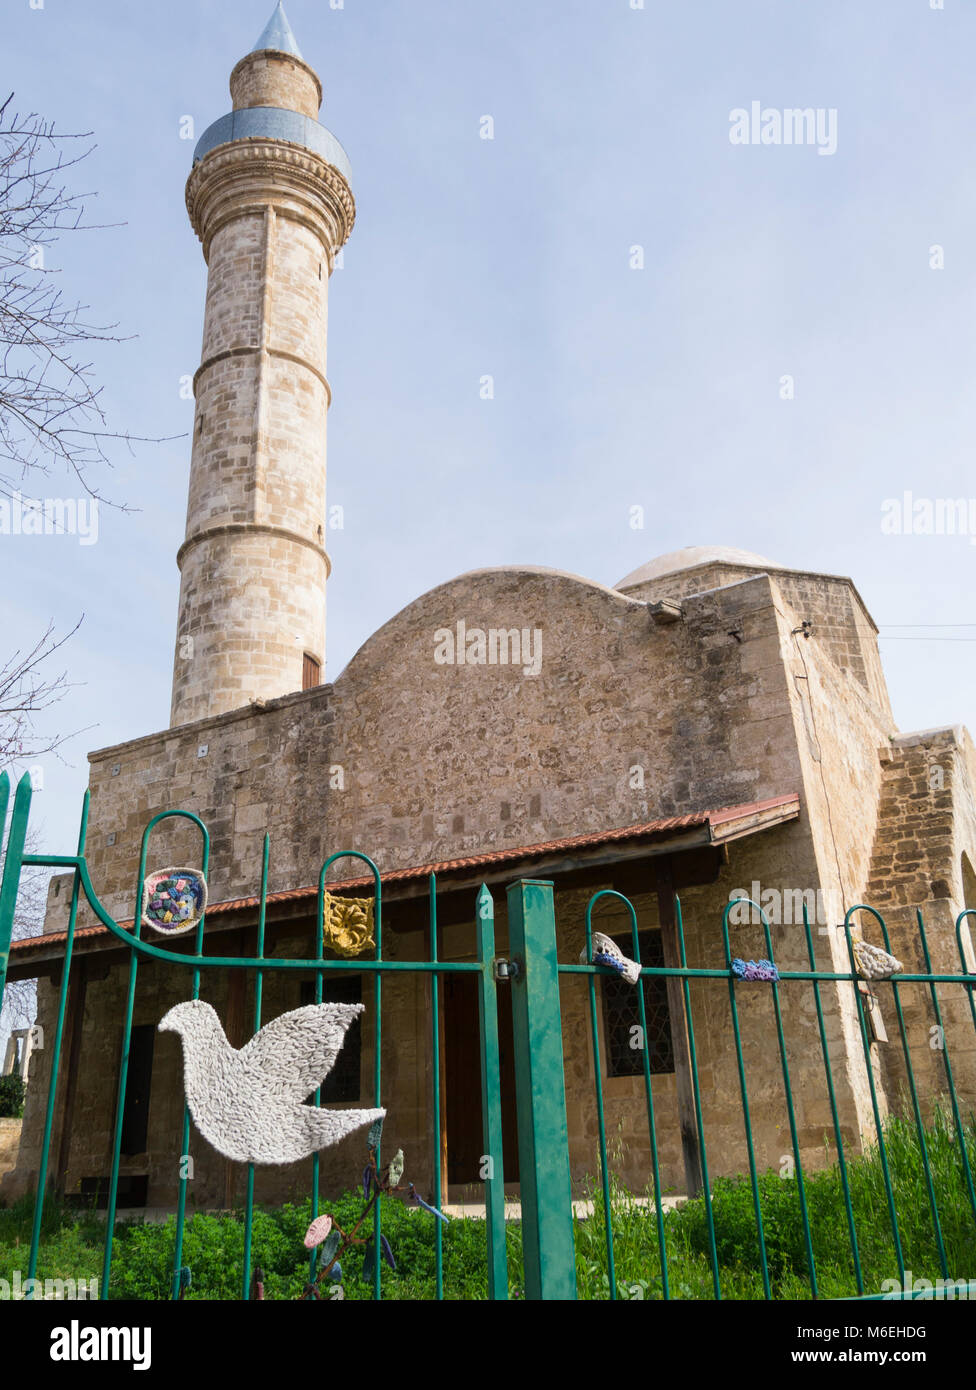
(276, 95)
(277, 35)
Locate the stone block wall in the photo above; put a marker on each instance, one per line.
(843, 630)
(410, 760)
(9, 1144)
(926, 836)
(270, 78)
(271, 217)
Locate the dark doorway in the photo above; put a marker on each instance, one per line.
(135, 1113)
(462, 1081)
(132, 1191)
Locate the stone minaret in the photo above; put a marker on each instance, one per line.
(269, 198)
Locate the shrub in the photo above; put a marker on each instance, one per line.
(11, 1096)
(213, 1244)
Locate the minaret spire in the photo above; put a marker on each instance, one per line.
(277, 34)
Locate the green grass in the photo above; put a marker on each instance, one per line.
(637, 1256)
(213, 1245)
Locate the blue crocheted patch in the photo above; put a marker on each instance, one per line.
(603, 958)
(754, 969)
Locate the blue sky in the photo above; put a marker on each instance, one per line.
(614, 387)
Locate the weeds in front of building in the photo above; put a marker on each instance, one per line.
(214, 1244)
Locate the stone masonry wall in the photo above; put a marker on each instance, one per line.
(704, 707)
(9, 1144)
(253, 566)
(842, 627)
(269, 78)
(927, 824)
(840, 730)
(411, 760)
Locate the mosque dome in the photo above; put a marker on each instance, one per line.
(692, 556)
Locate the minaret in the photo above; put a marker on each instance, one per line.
(269, 198)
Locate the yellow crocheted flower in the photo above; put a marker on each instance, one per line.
(347, 925)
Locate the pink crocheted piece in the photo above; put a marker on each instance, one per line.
(318, 1231)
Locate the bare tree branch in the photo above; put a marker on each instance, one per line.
(20, 996)
(51, 415)
(25, 690)
(50, 407)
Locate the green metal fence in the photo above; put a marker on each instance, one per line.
(196, 962)
(815, 978)
(532, 971)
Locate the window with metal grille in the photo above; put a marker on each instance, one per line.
(621, 1013)
(342, 1082)
(311, 672)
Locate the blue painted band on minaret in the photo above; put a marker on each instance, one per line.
(273, 123)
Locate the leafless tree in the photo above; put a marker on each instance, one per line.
(20, 996)
(50, 409)
(26, 688)
(51, 418)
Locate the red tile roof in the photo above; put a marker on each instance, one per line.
(724, 823)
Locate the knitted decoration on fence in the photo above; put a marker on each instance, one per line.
(318, 1231)
(395, 1171)
(754, 969)
(328, 1253)
(607, 952)
(369, 1259)
(248, 1103)
(418, 1201)
(334, 1241)
(347, 925)
(174, 900)
(873, 963)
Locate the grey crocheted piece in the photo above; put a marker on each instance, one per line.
(248, 1104)
(873, 963)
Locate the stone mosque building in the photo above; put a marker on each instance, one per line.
(716, 724)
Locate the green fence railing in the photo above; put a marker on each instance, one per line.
(547, 1156)
(196, 962)
(963, 1128)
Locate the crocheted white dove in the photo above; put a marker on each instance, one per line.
(248, 1103)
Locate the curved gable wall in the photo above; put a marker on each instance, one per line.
(436, 760)
(484, 753)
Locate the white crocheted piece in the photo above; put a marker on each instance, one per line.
(248, 1104)
(603, 946)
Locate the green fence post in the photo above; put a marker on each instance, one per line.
(52, 1085)
(12, 864)
(540, 1093)
(491, 1100)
